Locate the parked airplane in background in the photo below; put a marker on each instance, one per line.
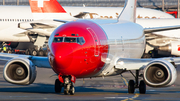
(156, 44)
(10, 19)
(21, 38)
(164, 43)
(113, 12)
(93, 48)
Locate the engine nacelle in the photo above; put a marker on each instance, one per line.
(175, 45)
(19, 71)
(160, 73)
(173, 48)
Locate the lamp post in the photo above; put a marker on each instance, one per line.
(17, 2)
(162, 5)
(178, 8)
(3, 2)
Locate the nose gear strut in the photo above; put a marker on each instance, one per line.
(67, 82)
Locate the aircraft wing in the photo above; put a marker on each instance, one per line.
(81, 14)
(157, 29)
(63, 21)
(41, 62)
(121, 63)
(42, 27)
(132, 64)
(45, 26)
(140, 64)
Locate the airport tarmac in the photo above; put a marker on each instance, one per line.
(108, 88)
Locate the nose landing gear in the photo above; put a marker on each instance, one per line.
(67, 83)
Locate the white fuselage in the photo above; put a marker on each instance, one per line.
(113, 12)
(122, 42)
(12, 15)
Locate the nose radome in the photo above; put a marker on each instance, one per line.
(63, 56)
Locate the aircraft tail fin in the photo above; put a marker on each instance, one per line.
(48, 9)
(46, 6)
(129, 11)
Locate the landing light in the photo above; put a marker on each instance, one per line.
(108, 59)
(120, 63)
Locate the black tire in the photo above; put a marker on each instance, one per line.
(27, 52)
(72, 90)
(142, 87)
(45, 53)
(66, 90)
(33, 52)
(57, 86)
(8, 51)
(41, 53)
(131, 87)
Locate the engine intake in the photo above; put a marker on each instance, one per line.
(160, 73)
(19, 71)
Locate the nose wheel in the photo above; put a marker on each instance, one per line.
(58, 86)
(72, 90)
(69, 89)
(68, 86)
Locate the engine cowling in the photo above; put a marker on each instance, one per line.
(160, 73)
(173, 48)
(19, 71)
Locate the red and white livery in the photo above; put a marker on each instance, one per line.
(93, 48)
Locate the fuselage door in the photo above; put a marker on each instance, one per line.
(95, 39)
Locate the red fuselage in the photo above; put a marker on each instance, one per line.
(78, 48)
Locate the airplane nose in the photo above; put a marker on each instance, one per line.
(63, 56)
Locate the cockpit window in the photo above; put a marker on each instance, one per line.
(69, 39)
(58, 39)
(79, 40)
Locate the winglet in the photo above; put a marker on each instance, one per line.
(129, 11)
(46, 6)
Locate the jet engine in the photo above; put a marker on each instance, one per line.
(160, 73)
(173, 48)
(19, 71)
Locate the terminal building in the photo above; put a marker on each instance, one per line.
(157, 4)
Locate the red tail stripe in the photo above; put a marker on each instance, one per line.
(51, 6)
